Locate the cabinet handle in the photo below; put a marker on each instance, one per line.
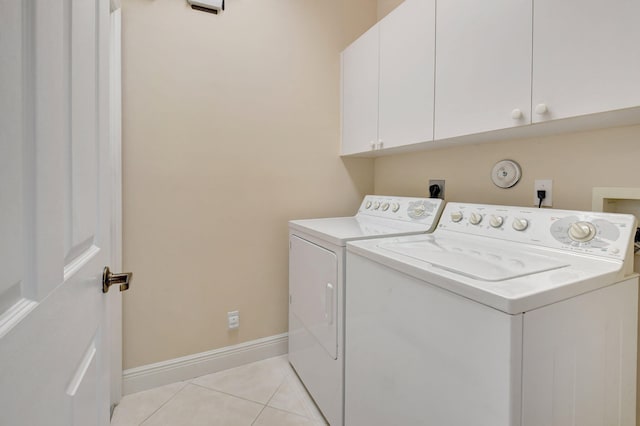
(373, 145)
(541, 109)
(516, 114)
(379, 144)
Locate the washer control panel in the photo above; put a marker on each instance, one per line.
(409, 209)
(602, 234)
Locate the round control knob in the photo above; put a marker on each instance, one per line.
(520, 224)
(368, 205)
(418, 211)
(456, 216)
(376, 205)
(516, 114)
(385, 207)
(541, 109)
(395, 207)
(582, 231)
(496, 221)
(475, 218)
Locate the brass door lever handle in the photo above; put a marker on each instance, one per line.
(109, 279)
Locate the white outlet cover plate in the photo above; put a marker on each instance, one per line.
(546, 185)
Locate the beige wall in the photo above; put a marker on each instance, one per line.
(576, 162)
(386, 6)
(230, 128)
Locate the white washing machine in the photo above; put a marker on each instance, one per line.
(317, 281)
(503, 316)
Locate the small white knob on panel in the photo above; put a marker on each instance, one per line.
(395, 207)
(541, 109)
(376, 205)
(368, 205)
(419, 210)
(456, 216)
(475, 218)
(516, 114)
(385, 206)
(582, 231)
(520, 224)
(496, 221)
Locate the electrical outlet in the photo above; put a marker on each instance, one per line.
(543, 185)
(440, 183)
(233, 319)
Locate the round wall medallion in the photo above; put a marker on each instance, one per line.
(506, 173)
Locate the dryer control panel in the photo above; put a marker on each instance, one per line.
(424, 211)
(595, 233)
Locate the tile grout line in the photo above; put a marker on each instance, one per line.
(227, 393)
(163, 404)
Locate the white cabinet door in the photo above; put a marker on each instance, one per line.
(483, 66)
(586, 57)
(55, 210)
(407, 50)
(360, 93)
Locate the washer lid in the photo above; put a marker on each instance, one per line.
(480, 262)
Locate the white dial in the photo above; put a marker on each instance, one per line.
(520, 224)
(475, 218)
(456, 216)
(418, 210)
(376, 205)
(385, 206)
(368, 205)
(395, 207)
(582, 231)
(496, 221)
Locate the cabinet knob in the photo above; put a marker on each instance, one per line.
(516, 114)
(541, 109)
(379, 143)
(373, 145)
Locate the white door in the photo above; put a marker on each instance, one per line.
(313, 282)
(55, 212)
(483, 66)
(360, 93)
(407, 50)
(585, 57)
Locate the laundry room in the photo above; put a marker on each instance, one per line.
(235, 123)
(231, 128)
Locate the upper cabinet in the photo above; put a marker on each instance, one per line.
(387, 81)
(586, 57)
(360, 93)
(407, 45)
(483, 66)
(479, 71)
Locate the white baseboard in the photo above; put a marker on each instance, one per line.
(187, 367)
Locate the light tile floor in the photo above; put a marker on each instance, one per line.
(264, 393)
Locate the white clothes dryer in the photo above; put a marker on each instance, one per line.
(317, 281)
(503, 316)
